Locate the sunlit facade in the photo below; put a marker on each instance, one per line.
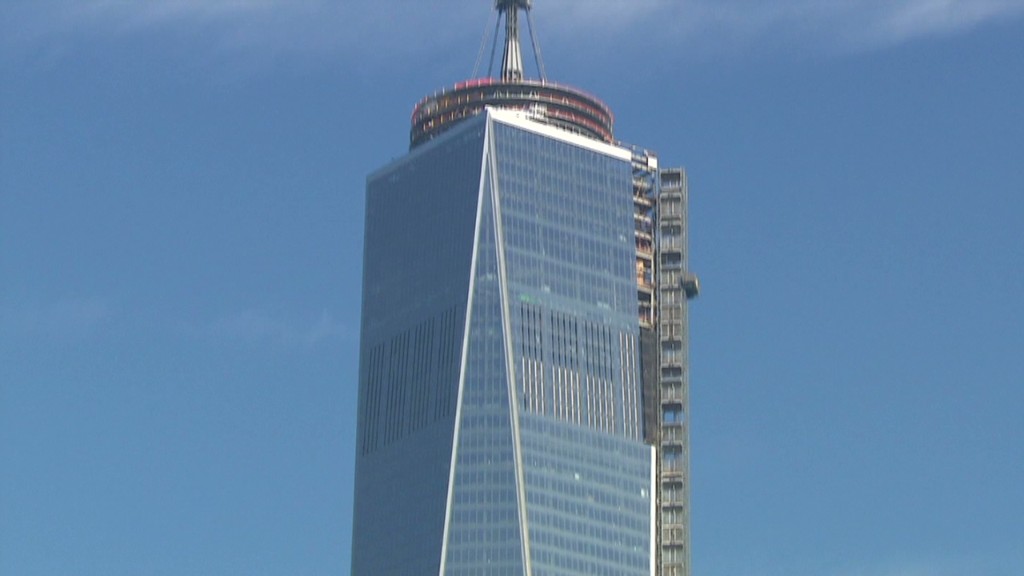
(501, 406)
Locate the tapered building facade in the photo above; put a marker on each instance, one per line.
(517, 387)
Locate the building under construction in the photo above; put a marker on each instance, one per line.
(523, 402)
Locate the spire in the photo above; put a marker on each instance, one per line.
(512, 59)
(553, 104)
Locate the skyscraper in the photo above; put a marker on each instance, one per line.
(522, 386)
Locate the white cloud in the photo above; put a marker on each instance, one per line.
(260, 328)
(711, 26)
(391, 30)
(907, 20)
(78, 318)
(66, 318)
(359, 30)
(989, 562)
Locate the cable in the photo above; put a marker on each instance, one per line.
(494, 45)
(536, 49)
(480, 53)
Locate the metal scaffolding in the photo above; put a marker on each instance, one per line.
(676, 285)
(664, 285)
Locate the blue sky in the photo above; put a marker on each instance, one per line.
(181, 197)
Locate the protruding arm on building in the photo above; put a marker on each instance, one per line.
(690, 285)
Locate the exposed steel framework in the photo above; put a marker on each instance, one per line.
(561, 106)
(554, 104)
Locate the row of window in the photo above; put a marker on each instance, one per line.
(410, 381)
(575, 370)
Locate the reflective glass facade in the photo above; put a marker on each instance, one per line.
(500, 417)
(420, 225)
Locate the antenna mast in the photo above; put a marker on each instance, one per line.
(560, 106)
(512, 59)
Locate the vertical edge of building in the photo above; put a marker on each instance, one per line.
(524, 375)
(419, 240)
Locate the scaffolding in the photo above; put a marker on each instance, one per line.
(664, 285)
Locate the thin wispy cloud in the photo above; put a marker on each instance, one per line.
(77, 318)
(259, 328)
(944, 566)
(353, 30)
(908, 20)
(64, 318)
(716, 26)
(372, 31)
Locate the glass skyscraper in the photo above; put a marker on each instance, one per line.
(511, 413)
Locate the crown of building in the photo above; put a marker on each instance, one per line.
(558, 105)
